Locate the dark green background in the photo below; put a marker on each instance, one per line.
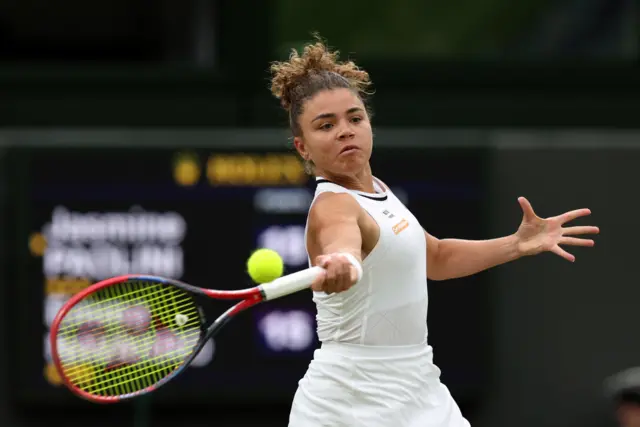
(550, 91)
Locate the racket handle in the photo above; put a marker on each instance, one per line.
(290, 283)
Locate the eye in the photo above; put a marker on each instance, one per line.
(326, 126)
(356, 119)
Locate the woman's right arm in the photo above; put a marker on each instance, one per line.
(334, 241)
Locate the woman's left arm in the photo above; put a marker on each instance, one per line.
(453, 258)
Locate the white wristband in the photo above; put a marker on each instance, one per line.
(354, 261)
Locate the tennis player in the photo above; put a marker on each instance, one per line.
(375, 367)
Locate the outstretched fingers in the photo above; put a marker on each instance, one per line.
(576, 241)
(578, 230)
(527, 209)
(562, 253)
(571, 215)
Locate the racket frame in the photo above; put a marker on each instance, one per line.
(248, 298)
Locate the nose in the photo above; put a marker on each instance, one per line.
(345, 133)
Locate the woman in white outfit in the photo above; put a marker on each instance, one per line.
(375, 367)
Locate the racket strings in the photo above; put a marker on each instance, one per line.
(86, 314)
(129, 380)
(127, 337)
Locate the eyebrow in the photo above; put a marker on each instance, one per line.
(331, 115)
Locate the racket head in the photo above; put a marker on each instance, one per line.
(126, 336)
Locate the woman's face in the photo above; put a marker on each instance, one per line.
(336, 133)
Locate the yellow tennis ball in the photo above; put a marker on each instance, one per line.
(265, 265)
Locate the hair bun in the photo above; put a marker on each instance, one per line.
(316, 58)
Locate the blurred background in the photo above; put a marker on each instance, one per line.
(141, 136)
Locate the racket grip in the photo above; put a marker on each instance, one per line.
(290, 283)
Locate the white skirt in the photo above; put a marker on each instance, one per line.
(350, 385)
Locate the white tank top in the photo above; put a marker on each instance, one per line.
(388, 307)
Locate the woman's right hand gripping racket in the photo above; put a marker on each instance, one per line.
(129, 335)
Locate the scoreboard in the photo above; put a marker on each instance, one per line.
(79, 215)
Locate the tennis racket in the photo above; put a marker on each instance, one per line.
(129, 335)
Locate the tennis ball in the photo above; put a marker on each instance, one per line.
(265, 265)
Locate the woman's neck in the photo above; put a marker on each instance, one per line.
(360, 181)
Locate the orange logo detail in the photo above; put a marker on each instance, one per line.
(400, 226)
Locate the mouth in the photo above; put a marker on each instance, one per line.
(348, 149)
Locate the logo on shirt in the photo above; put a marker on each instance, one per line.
(397, 229)
(388, 214)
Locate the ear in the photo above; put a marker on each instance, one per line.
(301, 148)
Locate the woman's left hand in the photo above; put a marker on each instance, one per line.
(537, 234)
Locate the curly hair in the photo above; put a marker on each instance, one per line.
(316, 69)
